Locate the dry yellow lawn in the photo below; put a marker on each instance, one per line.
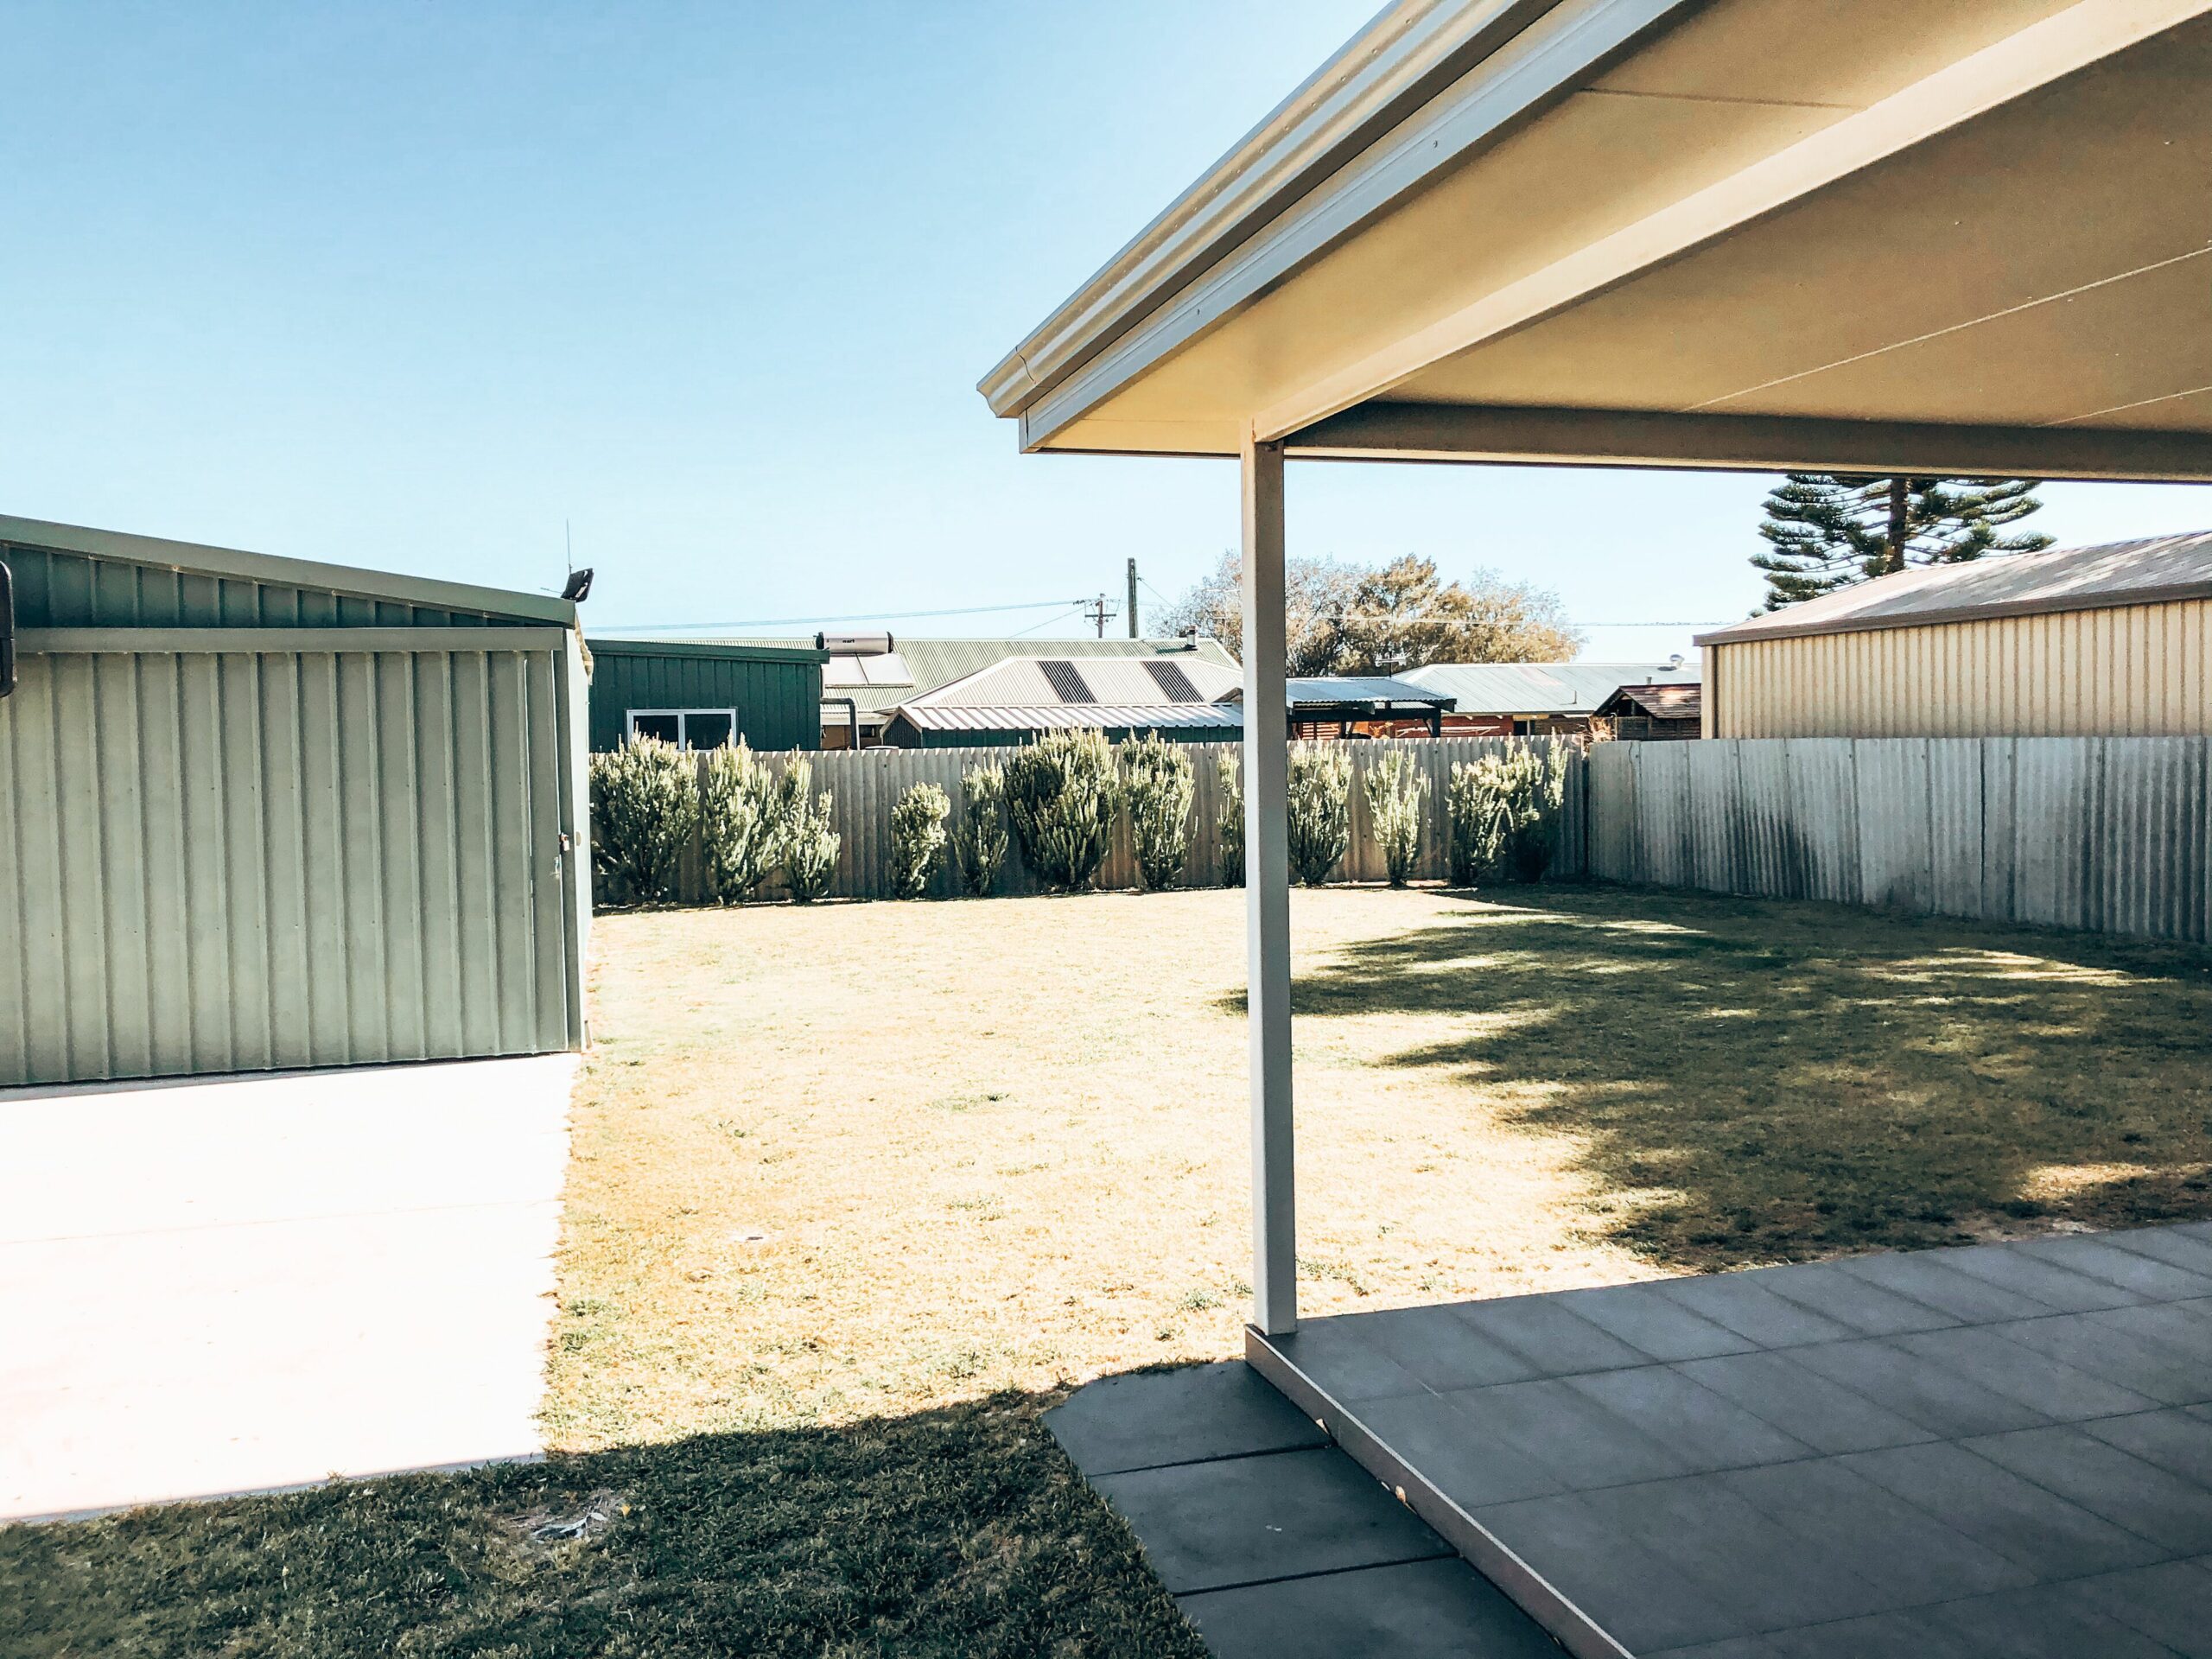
(861, 1159)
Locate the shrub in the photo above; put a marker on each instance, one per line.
(1397, 793)
(917, 839)
(1061, 796)
(979, 846)
(644, 804)
(738, 822)
(1505, 811)
(810, 845)
(1228, 822)
(1156, 782)
(1320, 815)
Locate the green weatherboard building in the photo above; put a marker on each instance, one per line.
(702, 694)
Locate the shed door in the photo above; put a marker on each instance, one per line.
(243, 859)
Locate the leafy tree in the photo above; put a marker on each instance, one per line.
(645, 805)
(1228, 820)
(916, 838)
(1397, 793)
(1382, 619)
(980, 843)
(1320, 816)
(1061, 795)
(1824, 532)
(807, 841)
(738, 821)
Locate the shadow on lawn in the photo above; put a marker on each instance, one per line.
(954, 1532)
(1759, 1080)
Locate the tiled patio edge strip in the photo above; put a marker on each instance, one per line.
(1566, 1624)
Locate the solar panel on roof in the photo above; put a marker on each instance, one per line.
(1172, 680)
(1068, 685)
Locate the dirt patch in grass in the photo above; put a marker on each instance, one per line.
(857, 1190)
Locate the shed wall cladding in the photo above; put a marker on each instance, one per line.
(2123, 671)
(249, 859)
(248, 823)
(779, 703)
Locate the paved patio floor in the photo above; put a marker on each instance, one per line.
(244, 1283)
(1999, 1450)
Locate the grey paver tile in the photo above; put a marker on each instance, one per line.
(1799, 1400)
(1738, 1302)
(2094, 1258)
(2078, 1339)
(1119, 1423)
(2042, 1384)
(1924, 1277)
(1346, 1362)
(2181, 1328)
(1443, 1350)
(2171, 1602)
(2047, 1622)
(2168, 1244)
(1649, 1322)
(2059, 1289)
(2031, 1527)
(1554, 1340)
(1867, 1309)
(1582, 1443)
(1469, 1462)
(1646, 1601)
(1909, 1556)
(1207, 1526)
(2167, 1509)
(2179, 1442)
(1707, 1429)
(1417, 1610)
(1937, 1399)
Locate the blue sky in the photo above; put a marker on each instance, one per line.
(409, 285)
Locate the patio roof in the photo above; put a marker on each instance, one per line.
(1964, 239)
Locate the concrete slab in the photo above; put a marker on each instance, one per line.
(1188, 1416)
(238, 1284)
(1418, 1610)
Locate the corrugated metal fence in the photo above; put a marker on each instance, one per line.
(864, 785)
(2112, 835)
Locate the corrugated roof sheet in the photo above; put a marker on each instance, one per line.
(1364, 688)
(1046, 677)
(934, 662)
(1657, 702)
(1049, 716)
(2013, 584)
(1541, 687)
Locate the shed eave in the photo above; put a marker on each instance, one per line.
(1755, 629)
(203, 560)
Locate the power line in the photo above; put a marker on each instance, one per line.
(696, 626)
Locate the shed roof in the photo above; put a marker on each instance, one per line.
(1483, 222)
(736, 650)
(231, 563)
(1566, 688)
(2141, 572)
(1656, 702)
(931, 663)
(1122, 681)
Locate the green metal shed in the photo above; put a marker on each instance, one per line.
(258, 813)
(704, 693)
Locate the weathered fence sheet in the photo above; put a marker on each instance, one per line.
(2112, 835)
(864, 785)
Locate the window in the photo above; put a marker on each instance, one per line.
(688, 728)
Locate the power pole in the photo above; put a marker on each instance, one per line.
(1099, 614)
(1132, 599)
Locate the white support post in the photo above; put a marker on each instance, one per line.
(1266, 895)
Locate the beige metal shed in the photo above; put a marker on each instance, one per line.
(2073, 642)
(258, 813)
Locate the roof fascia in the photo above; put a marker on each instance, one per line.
(700, 648)
(1751, 633)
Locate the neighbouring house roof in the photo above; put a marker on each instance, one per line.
(1121, 681)
(2142, 572)
(931, 663)
(1656, 702)
(1566, 689)
(1049, 716)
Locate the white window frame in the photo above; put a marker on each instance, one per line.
(682, 717)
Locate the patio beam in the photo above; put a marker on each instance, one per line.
(1761, 444)
(1267, 894)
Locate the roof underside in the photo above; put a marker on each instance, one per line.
(2148, 571)
(1964, 238)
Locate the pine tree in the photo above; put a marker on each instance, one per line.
(1824, 532)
